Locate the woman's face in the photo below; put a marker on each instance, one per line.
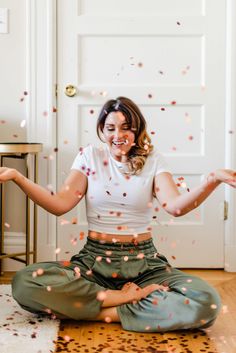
(118, 135)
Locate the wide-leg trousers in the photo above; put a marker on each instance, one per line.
(74, 290)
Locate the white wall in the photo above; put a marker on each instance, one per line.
(13, 109)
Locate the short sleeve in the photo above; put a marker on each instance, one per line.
(160, 164)
(81, 161)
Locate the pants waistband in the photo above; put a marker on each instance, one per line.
(146, 246)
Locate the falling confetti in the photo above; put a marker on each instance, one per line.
(23, 123)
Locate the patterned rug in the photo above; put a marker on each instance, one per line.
(21, 331)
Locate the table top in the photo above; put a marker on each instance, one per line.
(20, 147)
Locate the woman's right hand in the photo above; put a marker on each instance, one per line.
(7, 174)
(136, 293)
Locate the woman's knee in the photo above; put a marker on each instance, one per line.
(210, 307)
(20, 286)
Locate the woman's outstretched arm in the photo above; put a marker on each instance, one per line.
(179, 204)
(59, 203)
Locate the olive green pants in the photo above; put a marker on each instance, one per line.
(70, 289)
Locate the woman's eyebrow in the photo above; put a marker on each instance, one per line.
(107, 124)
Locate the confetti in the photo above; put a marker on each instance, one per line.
(7, 225)
(213, 306)
(23, 123)
(40, 271)
(140, 256)
(163, 109)
(74, 220)
(190, 137)
(107, 319)
(126, 258)
(81, 235)
(66, 338)
(101, 295)
(57, 251)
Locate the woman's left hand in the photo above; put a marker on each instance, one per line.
(226, 176)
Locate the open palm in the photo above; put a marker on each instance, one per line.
(227, 176)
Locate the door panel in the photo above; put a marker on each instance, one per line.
(166, 57)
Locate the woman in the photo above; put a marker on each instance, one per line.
(119, 276)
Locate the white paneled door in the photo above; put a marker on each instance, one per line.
(168, 57)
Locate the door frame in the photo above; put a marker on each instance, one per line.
(42, 76)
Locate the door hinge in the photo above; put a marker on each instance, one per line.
(226, 207)
(56, 89)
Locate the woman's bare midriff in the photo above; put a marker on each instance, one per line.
(112, 238)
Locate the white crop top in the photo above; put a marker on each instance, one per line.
(117, 203)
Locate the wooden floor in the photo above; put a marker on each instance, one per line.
(85, 337)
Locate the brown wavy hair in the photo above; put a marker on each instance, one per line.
(140, 151)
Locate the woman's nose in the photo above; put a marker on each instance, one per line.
(118, 133)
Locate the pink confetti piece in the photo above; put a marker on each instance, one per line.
(140, 256)
(101, 295)
(126, 258)
(66, 338)
(7, 225)
(190, 137)
(107, 319)
(57, 251)
(40, 271)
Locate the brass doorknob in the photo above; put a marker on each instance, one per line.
(70, 90)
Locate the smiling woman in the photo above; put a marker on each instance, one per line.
(119, 275)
